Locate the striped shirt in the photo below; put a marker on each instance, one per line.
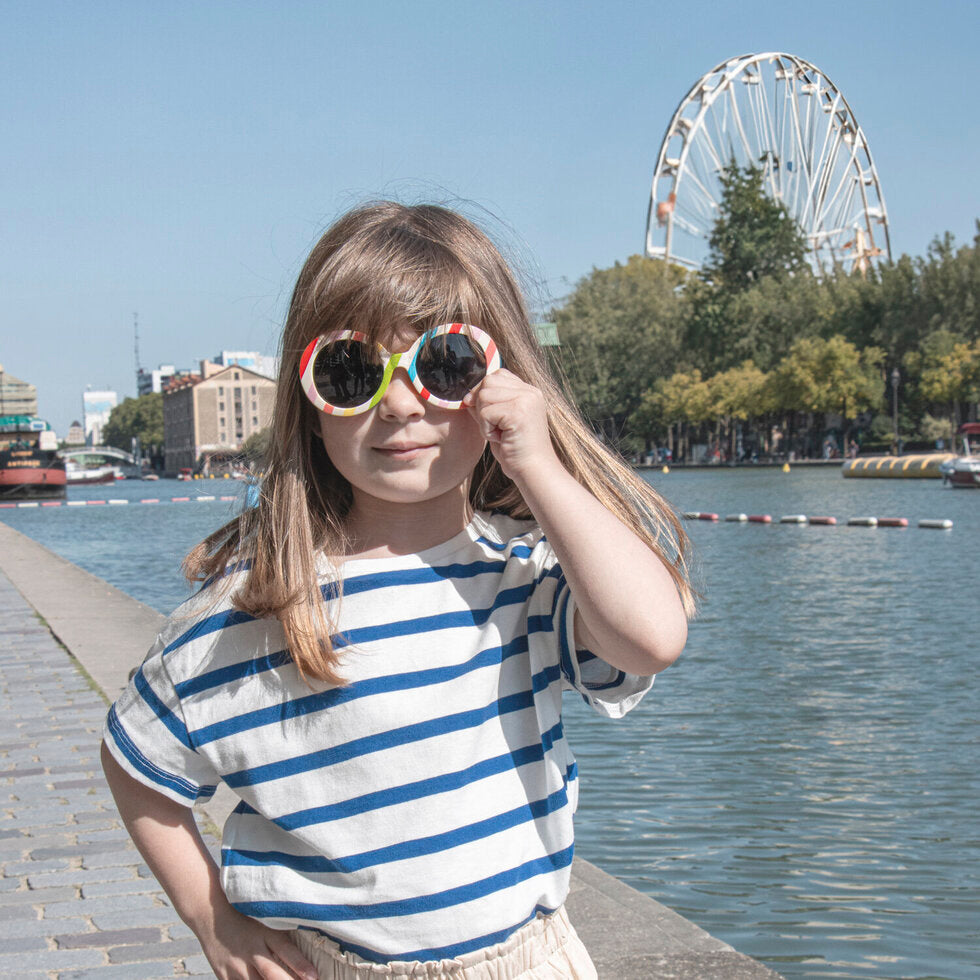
(422, 810)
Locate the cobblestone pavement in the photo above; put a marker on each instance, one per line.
(76, 900)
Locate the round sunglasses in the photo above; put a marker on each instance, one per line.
(343, 373)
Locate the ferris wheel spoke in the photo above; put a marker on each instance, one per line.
(825, 161)
(827, 174)
(850, 170)
(737, 119)
(840, 218)
(780, 113)
(800, 152)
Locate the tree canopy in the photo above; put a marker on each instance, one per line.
(141, 418)
(620, 330)
(754, 237)
(756, 343)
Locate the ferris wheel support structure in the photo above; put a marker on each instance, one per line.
(782, 114)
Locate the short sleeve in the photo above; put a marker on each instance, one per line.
(606, 689)
(146, 733)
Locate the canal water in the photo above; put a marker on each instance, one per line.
(804, 782)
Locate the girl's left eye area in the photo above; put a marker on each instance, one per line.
(345, 372)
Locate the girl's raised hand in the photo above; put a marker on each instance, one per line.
(513, 417)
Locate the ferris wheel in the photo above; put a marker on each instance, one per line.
(781, 114)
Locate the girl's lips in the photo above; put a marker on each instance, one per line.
(403, 452)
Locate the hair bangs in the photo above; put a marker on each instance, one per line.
(409, 284)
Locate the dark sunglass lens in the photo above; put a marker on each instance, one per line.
(450, 365)
(347, 373)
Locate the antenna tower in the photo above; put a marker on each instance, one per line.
(136, 349)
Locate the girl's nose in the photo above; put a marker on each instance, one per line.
(401, 400)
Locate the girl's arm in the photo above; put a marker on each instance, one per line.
(167, 837)
(628, 610)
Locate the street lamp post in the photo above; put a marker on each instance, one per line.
(896, 377)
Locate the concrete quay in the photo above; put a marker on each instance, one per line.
(76, 900)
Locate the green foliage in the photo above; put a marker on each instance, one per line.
(620, 331)
(256, 447)
(757, 340)
(740, 392)
(827, 376)
(135, 417)
(754, 236)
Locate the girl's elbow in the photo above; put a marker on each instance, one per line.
(669, 647)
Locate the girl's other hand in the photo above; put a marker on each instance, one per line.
(240, 948)
(513, 417)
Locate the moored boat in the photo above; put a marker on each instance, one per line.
(964, 471)
(80, 475)
(30, 468)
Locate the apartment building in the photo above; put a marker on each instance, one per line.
(207, 417)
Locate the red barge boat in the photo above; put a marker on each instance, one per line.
(29, 465)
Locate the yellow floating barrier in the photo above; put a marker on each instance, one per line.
(916, 466)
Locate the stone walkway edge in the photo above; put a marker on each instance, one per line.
(76, 899)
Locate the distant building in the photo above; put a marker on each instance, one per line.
(96, 408)
(16, 397)
(148, 382)
(207, 417)
(76, 435)
(254, 361)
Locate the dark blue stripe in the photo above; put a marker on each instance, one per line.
(615, 682)
(210, 624)
(183, 787)
(176, 726)
(518, 550)
(437, 952)
(386, 740)
(241, 566)
(410, 906)
(470, 946)
(231, 674)
(356, 584)
(460, 618)
(404, 850)
(324, 700)
(565, 650)
(417, 789)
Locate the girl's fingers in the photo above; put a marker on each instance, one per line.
(269, 968)
(289, 954)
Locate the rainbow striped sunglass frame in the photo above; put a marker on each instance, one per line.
(328, 382)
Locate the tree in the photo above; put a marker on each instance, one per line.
(754, 236)
(949, 372)
(738, 394)
(620, 331)
(256, 447)
(754, 240)
(140, 418)
(683, 398)
(828, 376)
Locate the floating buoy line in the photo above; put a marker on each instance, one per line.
(117, 501)
(943, 524)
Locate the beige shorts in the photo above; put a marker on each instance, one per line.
(547, 948)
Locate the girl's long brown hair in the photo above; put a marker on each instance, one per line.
(378, 268)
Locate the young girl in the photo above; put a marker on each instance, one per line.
(375, 664)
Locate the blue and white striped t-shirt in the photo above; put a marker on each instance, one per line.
(424, 809)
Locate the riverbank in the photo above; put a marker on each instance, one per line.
(82, 899)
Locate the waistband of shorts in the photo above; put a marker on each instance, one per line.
(535, 940)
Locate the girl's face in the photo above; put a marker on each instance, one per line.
(404, 450)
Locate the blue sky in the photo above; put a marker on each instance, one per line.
(179, 159)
